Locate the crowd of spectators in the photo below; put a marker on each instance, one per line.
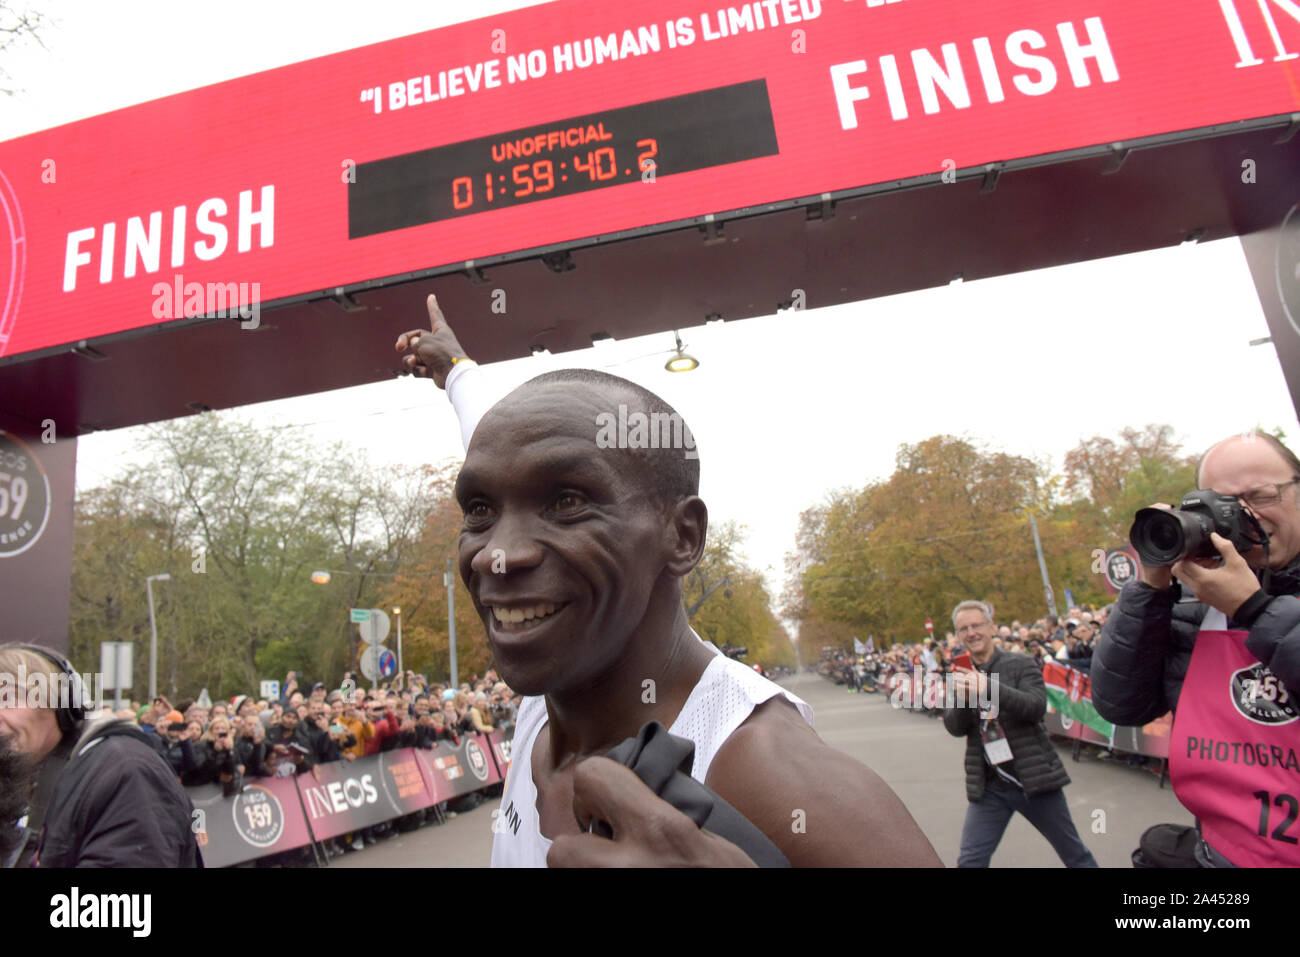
(247, 737)
(1070, 640)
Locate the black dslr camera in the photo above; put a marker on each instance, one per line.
(1165, 536)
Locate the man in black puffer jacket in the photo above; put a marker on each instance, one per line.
(1011, 764)
(1146, 650)
(1146, 644)
(103, 797)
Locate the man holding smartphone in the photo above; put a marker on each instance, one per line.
(288, 749)
(1011, 765)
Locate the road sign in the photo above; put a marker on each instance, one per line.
(115, 664)
(387, 663)
(370, 662)
(375, 628)
(359, 616)
(270, 690)
(929, 626)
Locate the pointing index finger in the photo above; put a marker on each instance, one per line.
(436, 318)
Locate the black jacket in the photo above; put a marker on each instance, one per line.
(1146, 646)
(181, 756)
(300, 736)
(118, 804)
(250, 754)
(1022, 702)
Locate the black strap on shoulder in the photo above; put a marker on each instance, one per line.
(47, 779)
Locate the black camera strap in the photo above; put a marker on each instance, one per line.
(1266, 578)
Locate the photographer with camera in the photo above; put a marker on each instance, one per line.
(217, 760)
(1211, 631)
(1011, 765)
(177, 748)
(504, 710)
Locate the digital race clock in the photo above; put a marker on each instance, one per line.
(695, 131)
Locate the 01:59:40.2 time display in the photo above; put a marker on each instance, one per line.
(543, 178)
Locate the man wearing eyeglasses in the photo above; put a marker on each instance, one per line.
(1218, 643)
(1011, 765)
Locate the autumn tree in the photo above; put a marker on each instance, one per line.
(951, 522)
(420, 592)
(1113, 478)
(727, 602)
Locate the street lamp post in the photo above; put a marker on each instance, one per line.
(1042, 568)
(153, 634)
(449, 580)
(397, 612)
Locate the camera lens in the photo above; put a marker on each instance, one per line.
(1165, 536)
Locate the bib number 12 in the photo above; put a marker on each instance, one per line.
(1280, 800)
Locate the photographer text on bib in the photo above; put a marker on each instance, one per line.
(1233, 751)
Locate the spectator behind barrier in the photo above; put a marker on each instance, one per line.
(289, 749)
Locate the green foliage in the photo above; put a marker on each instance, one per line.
(239, 532)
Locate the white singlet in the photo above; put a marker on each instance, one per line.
(726, 694)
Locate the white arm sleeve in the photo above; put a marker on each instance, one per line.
(468, 394)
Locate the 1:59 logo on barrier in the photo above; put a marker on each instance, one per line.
(477, 760)
(24, 496)
(259, 818)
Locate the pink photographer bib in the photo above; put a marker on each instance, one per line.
(1233, 751)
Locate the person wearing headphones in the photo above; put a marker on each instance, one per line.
(101, 796)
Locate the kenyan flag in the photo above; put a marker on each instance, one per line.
(1069, 691)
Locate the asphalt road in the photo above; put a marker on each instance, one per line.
(1112, 804)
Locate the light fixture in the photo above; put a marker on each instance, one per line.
(397, 612)
(681, 362)
(88, 352)
(321, 578)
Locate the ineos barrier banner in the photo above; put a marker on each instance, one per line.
(264, 818)
(580, 120)
(453, 771)
(343, 796)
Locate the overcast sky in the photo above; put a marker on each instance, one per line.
(783, 408)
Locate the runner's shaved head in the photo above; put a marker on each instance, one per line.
(673, 472)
